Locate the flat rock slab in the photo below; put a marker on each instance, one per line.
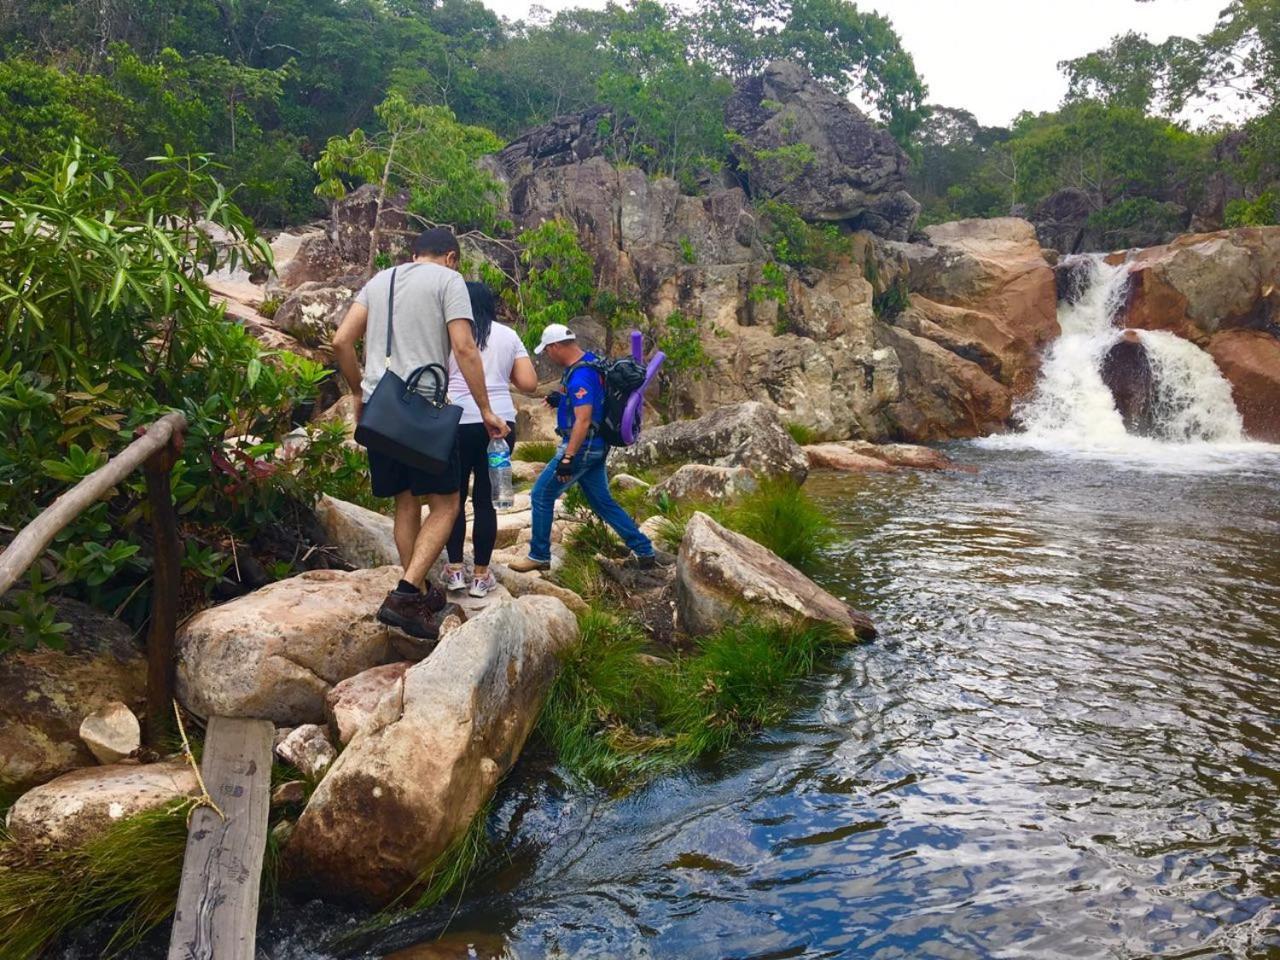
(400, 793)
(80, 806)
(275, 653)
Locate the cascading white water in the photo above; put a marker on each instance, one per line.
(1073, 409)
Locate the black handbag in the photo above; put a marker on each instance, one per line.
(416, 429)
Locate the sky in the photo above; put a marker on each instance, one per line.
(997, 58)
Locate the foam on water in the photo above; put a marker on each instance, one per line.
(1072, 412)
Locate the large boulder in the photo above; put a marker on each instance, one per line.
(1203, 283)
(80, 806)
(705, 484)
(722, 576)
(46, 694)
(1126, 371)
(746, 435)
(314, 309)
(854, 170)
(372, 698)
(275, 653)
(402, 792)
(309, 257)
(352, 221)
(361, 537)
(1250, 360)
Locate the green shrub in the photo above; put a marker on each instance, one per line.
(1262, 212)
(798, 243)
(890, 304)
(269, 306)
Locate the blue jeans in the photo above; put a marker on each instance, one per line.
(589, 474)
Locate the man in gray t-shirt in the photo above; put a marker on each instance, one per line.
(432, 320)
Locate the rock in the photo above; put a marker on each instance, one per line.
(371, 698)
(291, 793)
(313, 311)
(1203, 283)
(275, 653)
(855, 173)
(1061, 220)
(745, 435)
(81, 805)
(625, 481)
(308, 749)
(653, 527)
(281, 833)
(904, 455)
(447, 621)
(1126, 370)
(722, 575)
(564, 140)
(111, 732)
(701, 483)
(535, 421)
(533, 585)
(837, 456)
(1250, 360)
(45, 694)
(401, 793)
(309, 258)
(361, 537)
(525, 471)
(351, 225)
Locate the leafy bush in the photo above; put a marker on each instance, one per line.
(798, 243)
(535, 451)
(1261, 212)
(108, 327)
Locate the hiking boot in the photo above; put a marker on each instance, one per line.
(529, 565)
(455, 578)
(648, 561)
(413, 612)
(481, 586)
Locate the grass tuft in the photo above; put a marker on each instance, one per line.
(535, 451)
(801, 434)
(131, 871)
(781, 516)
(617, 718)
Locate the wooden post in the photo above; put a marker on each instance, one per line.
(166, 576)
(217, 914)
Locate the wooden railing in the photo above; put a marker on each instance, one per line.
(155, 451)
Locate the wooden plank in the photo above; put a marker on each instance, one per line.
(217, 914)
(39, 533)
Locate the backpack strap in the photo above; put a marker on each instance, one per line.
(596, 414)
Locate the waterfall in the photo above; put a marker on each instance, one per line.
(1072, 408)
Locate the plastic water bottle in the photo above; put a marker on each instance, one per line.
(500, 475)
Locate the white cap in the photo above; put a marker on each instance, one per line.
(554, 333)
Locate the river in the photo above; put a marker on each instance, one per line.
(1063, 744)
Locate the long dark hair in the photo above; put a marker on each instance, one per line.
(484, 311)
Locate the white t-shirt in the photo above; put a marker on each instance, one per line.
(499, 355)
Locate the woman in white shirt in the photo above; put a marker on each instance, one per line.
(506, 362)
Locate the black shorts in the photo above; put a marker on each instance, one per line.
(390, 477)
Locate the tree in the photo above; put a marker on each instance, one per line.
(422, 149)
(1128, 73)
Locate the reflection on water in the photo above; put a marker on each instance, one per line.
(1063, 745)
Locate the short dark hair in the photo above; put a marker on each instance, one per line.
(435, 242)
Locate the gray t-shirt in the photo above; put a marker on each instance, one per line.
(428, 296)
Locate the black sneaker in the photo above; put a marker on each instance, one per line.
(414, 613)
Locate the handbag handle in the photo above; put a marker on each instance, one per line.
(391, 312)
(441, 386)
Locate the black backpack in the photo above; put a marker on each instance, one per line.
(621, 377)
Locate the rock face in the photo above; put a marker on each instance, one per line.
(838, 456)
(46, 694)
(351, 225)
(313, 311)
(984, 305)
(400, 793)
(362, 537)
(720, 575)
(81, 805)
(747, 435)
(696, 481)
(1126, 370)
(1250, 360)
(275, 653)
(111, 732)
(855, 171)
(372, 698)
(1203, 283)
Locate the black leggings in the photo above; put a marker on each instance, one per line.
(473, 453)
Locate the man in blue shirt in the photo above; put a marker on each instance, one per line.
(581, 457)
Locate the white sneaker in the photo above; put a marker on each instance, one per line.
(481, 586)
(455, 579)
